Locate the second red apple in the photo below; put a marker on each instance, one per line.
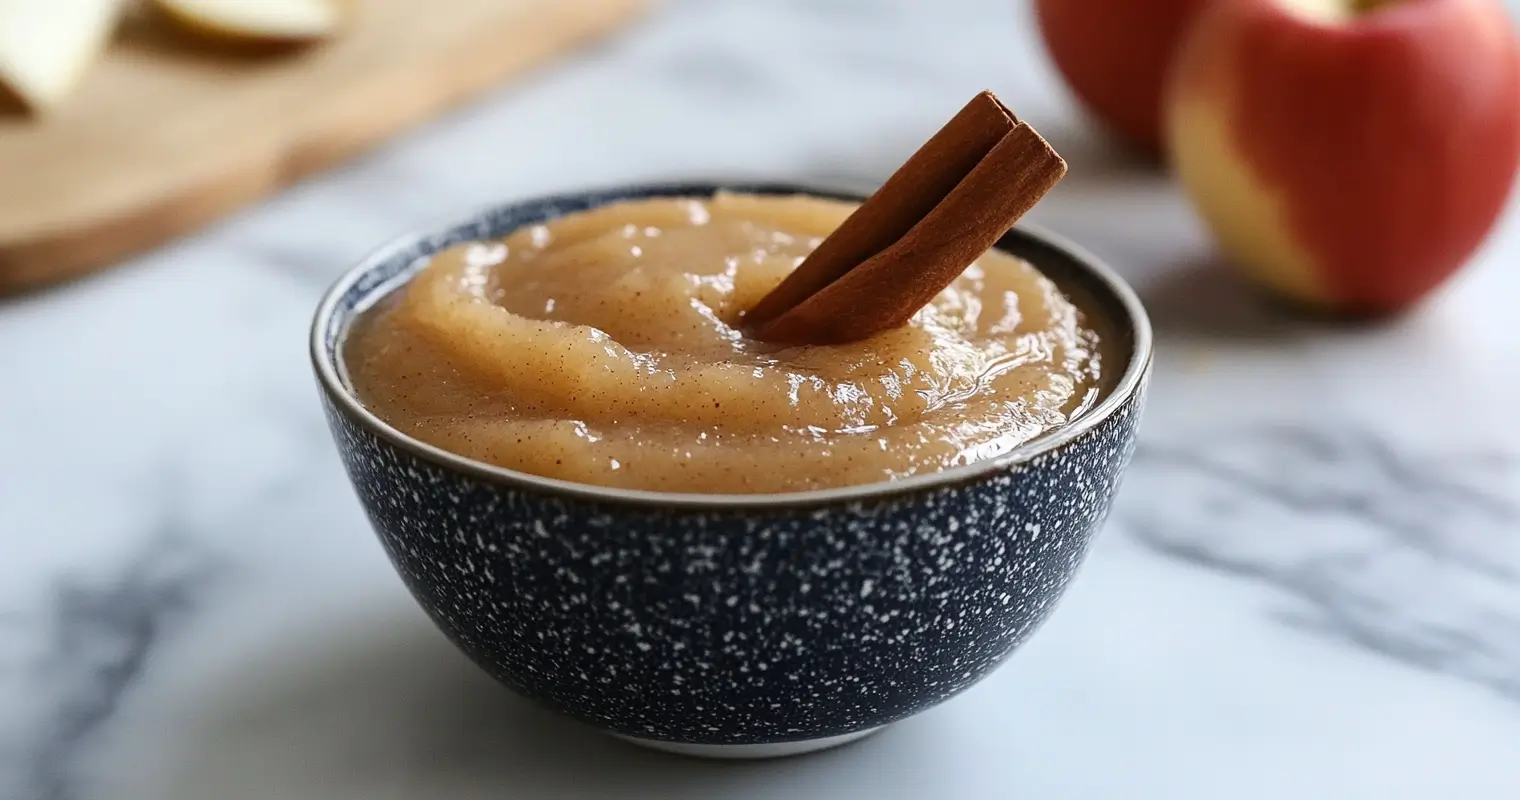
(1114, 56)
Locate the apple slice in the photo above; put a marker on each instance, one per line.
(46, 45)
(256, 21)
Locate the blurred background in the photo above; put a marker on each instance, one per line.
(1310, 585)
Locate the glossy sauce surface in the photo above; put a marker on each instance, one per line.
(604, 348)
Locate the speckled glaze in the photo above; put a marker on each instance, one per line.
(701, 620)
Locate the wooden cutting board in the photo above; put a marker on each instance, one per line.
(166, 134)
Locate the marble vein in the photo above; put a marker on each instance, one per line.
(100, 637)
(1411, 555)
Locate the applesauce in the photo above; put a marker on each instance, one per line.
(605, 347)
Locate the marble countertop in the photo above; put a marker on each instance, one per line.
(1310, 586)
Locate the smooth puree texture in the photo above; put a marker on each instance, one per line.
(603, 348)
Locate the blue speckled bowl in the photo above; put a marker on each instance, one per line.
(735, 625)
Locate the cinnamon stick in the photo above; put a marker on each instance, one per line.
(939, 212)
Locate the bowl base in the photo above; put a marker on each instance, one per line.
(750, 751)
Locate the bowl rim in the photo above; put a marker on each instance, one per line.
(325, 363)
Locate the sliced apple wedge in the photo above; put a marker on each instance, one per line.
(46, 45)
(256, 21)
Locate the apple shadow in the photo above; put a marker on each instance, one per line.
(385, 707)
(147, 30)
(1204, 299)
(861, 169)
(1091, 155)
(11, 104)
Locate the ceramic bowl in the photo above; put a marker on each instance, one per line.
(735, 625)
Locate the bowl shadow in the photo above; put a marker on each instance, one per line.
(385, 707)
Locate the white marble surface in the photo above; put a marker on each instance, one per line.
(1310, 586)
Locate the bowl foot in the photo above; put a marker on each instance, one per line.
(751, 751)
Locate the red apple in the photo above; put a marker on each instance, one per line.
(1348, 154)
(1114, 55)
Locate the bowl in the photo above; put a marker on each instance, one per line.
(735, 625)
